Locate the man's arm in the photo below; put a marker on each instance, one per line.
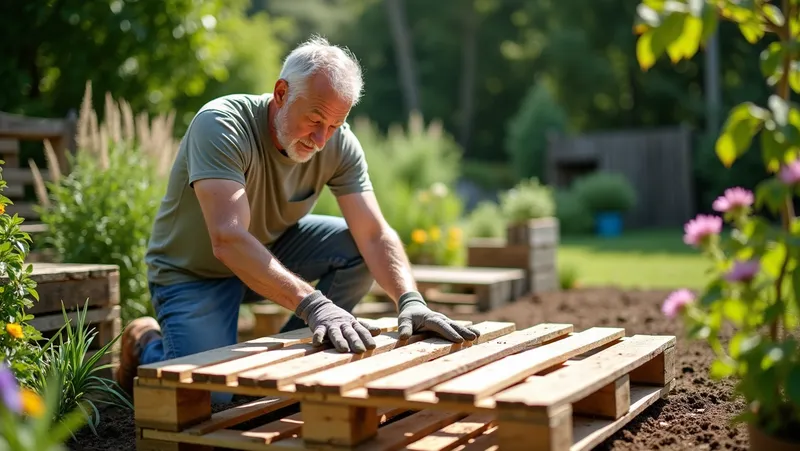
(378, 243)
(227, 214)
(387, 260)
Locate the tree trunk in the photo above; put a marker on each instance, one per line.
(404, 55)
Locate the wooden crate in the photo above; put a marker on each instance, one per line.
(481, 288)
(547, 387)
(73, 284)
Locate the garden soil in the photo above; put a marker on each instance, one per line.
(696, 416)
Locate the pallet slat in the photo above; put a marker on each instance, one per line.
(541, 388)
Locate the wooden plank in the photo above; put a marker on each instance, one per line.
(464, 275)
(23, 127)
(13, 191)
(55, 321)
(181, 368)
(586, 376)
(356, 374)
(397, 435)
(9, 146)
(455, 434)
(100, 292)
(23, 209)
(510, 370)
(226, 372)
(19, 176)
(240, 414)
(433, 372)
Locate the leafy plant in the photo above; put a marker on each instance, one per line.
(754, 282)
(486, 221)
(436, 238)
(526, 140)
(102, 211)
(527, 200)
(605, 192)
(568, 276)
(574, 217)
(17, 291)
(67, 356)
(27, 421)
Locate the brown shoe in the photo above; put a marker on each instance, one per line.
(137, 334)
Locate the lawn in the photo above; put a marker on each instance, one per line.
(638, 259)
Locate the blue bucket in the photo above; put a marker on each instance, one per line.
(609, 224)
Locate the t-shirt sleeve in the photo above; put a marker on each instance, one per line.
(216, 148)
(351, 176)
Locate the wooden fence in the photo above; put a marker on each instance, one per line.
(658, 162)
(17, 173)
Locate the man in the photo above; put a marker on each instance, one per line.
(234, 225)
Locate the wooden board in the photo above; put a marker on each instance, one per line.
(542, 387)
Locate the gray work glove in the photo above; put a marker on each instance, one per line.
(327, 320)
(415, 316)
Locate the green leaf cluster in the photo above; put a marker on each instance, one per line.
(764, 310)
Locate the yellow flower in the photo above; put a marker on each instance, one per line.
(419, 236)
(455, 233)
(2, 209)
(435, 233)
(14, 329)
(32, 403)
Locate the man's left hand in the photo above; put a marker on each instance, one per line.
(415, 317)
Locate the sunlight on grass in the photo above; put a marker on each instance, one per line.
(647, 259)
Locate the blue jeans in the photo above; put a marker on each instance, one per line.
(203, 315)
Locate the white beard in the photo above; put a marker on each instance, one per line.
(293, 149)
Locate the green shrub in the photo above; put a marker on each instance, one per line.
(574, 216)
(486, 221)
(17, 292)
(605, 192)
(529, 199)
(568, 276)
(526, 139)
(103, 210)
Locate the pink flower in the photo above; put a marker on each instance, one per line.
(732, 199)
(700, 228)
(743, 271)
(676, 301)
(790, 173)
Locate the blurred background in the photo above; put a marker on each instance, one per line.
(476, 113)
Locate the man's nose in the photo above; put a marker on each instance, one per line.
(319, 138)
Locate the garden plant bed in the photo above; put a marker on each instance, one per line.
(694, 416)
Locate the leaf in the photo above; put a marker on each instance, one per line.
(771, 151)
(772, 194)
(735, 310)
(770, 59)
(686, 45)
(793, 385)
(644, 50)
(721, 370)
(774, 14)
(740, 127)
(780, 110)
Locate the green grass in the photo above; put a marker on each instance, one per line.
(638, 259)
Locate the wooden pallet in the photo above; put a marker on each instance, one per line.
(483, 288)
(73, 285)
(546, 387)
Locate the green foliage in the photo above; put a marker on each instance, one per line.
(605, 192)
(754, 281)
(34, 426)
(404, 167)
(526, 140)
(528, 199)
(17, 293)
(568, 276)
(103, 210)
(486, 221)
(66, 357)
(574, 217)
(436, 239)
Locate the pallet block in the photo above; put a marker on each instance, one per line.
(546, 387)
(483, 288)
(73, 285)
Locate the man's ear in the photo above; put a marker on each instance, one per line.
(280, 92)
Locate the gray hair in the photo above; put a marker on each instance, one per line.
(317, 55)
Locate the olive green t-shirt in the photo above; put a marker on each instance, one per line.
(229, 139)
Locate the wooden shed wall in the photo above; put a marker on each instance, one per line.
(658, 162)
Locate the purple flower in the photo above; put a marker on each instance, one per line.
(790, 173)
(732, 199)
(676, 301)
(9, 391)
(700, 228)
(743, 271)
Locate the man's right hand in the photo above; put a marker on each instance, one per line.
(327, 320)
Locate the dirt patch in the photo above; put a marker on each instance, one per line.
(696, 415)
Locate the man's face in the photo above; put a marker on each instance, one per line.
(304, 126)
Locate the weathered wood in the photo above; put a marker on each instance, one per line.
(535, 233)
(97, 291)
